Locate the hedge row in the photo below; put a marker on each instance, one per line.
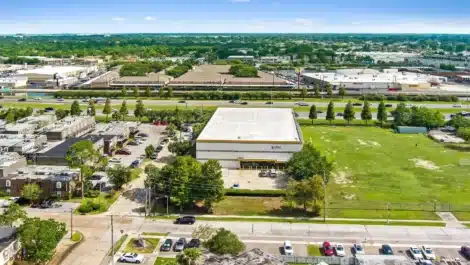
(255, 193)
(402, 97)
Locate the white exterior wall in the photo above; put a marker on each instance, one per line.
(229, 154)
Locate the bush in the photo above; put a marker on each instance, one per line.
(255, 193)
(77, 236)
(85, 208)
(92, 193)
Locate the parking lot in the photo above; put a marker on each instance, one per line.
(251, 179)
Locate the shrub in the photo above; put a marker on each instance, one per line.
(255, 193)
(85, 208)
(77, 236)
(92, 193)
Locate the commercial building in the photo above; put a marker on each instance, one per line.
(56, 154)
(13, 81)
(29, 124)
(435, 60)
(20, 143)
(274, 59)
(250, 137)
(69, 127)
(45, 74)
(243, 58)
(115, 133)
(10, 162)
(150, 80)
(54, 180)
(369, 79)
(388, 57)
(9, 245)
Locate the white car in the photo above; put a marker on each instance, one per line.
(302, 103)
(38, 98)
(428, 253)
(457, 105)
(115, 160)
(359, 249)
(339, 250)
(288, 249)
(131, 258)
(416, 253)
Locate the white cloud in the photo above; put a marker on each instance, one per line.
(241, 1)
(118, 19)
(149, 18)
(304, 22)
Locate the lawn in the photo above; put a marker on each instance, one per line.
(150, 245)
(165, 261)
(314, 250)
(375, 166)
(118, 244)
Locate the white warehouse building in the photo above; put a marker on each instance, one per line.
(250, 137)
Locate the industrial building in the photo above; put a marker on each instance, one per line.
(69, 127)
(10, 162)
(20, 143)
(274, 59)
(435, 60)
(55, 75)
(369, 79)
(115, 133)
(150, 80)
(54, 180)
(243, 58)
(250, 137)
(29, 124)
(13, 81)
(388, 57)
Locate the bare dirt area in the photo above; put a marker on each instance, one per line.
(426, 164)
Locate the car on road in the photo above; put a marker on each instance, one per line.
(416, 253)
(465, 251)
(327, 249)
(388, 105)
(194, 243)
(288, 249)
(131, 258)
(182, 101)
(319, 111)
(457, 105)
(386, 250)
(185, 220)
(37, 98)
(166, 246)
(357, 104)
(123, 152)
(180, 245)
(60, 99)
(359, 249)
(115, 160)
(244, 103)
(85, 100)
(269, 103)
(428, 253)
(339, 114)
(301, 104)
(48, 109)
(22, 99)
(339, 250)
(143, 135)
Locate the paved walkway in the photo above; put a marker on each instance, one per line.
(450, 220)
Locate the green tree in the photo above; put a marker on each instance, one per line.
(313, 113)
(161, 92)
(78, 155)
(342, 92)
(13, 213)
(329, 90)
(211, 178)
(401, 115)
(169, 92)
(149, 150)
(366, 115)
(303, 92)
(117, 116)
(123, 110)
(119, 175)
(180, 148)
(39, 238)
(10, 117)
(308, 163)
(349, 113)
(123, 92)
(382, 113)
(330, 112)
(317, 91)
(225, 242)
(75, 109)
(305, 192)
(148, 92)
(107, 108)
(92, 108)
(135, 92)
(171, 129)
(459, 121)
(61, 113)
(139, 110)
(31, 192)
(190, 256)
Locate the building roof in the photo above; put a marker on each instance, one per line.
(57, 173)
(61, 149)
(50, 70)
(7, 159)
(152, 78)
(359, 77)
(266, 125)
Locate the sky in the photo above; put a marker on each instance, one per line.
(227, 16)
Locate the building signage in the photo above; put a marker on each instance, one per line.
(276, 147)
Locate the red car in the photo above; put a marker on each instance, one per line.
(123, 152)
(156, 123)
(327, 249)
(465, 251)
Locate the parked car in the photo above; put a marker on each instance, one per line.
(185, 220)
(133, 143)
(85, 100)
(339, 250)
(115, 160)
(357, 104)
(428, 253)
(358, 249)
(327, 249)
(387, 250)
(465, 251)
(158, 148)
(153, 155)
(180, 245)
(424, 262)
(194, 243)
(166, 246)
(339, 114)
(143, 135)
(123, 152)
(288, 249)
(388, 105)
(135, 163)
(416, 253)
(22, 99)
(131, 258)
(301, 103)
(48, 109)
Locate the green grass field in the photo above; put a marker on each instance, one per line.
(375, 166)
(314, 250)
(165, 261)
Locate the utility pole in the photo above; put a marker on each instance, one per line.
(324, 198)
(71, 223)
(112, 240)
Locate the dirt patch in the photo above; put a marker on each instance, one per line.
(349, 197)
(375, 143)
(426, 164)
(361, 142)
(342, 178)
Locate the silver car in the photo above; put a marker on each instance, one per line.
(179, 245)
